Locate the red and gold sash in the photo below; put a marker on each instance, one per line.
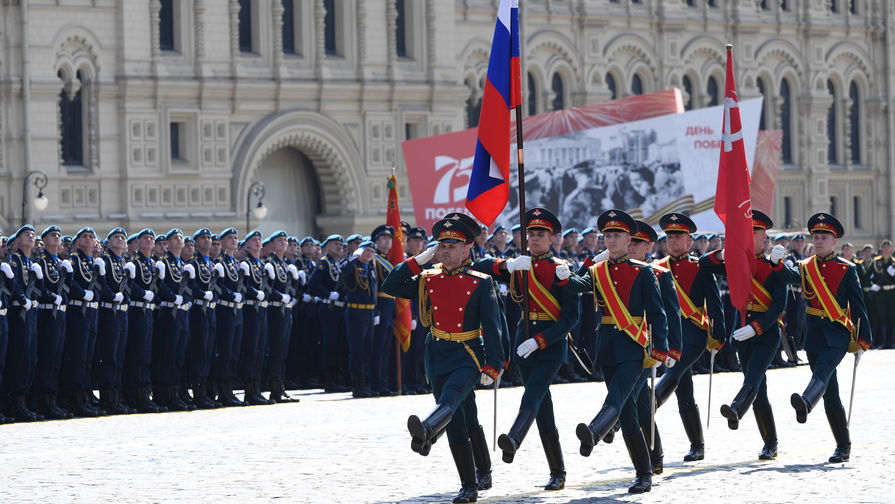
(827, 300)
(689, 310)
(599, 275)
(542, 297)
(762, 298)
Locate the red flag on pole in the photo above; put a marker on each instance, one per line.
(396, 256)
(733, 203)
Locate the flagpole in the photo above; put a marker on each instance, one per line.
(520, 163)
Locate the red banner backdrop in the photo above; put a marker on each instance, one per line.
(438, 167)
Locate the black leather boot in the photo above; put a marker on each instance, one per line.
(52, 411)
(693, 428)
(839, 425)
(200, 397)
(120, 401)
(553, 451)
(656, 456)
(82, 408)
(253, 394)
(764, 417)
(276, 391)
(739, 406)
(511, 441)
(664, 388)
(482, 457)
(358, 390)
(590, 435)
(227, 397)
(803, 404)
(424, 433)
(610, 436)
(465, 463)
(169, 396)
(639, 452)
(20, 410)
(108, 402)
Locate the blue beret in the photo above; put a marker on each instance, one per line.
(292, 239)
(215, 238)
(26, 227)
(516, 227)
(173, 232)
(145, 231)
(66, 238)
(118, 230)
(306, 239)
(187, 239)
(85, 230)
(366, 243)
(200, 232)
(354, 237)
(131, 238)
(253, 234)
(588, 231)
(241, 243)
(277, 234)
(569, 231)
(229, 231)
(49, 230)
(332, 238)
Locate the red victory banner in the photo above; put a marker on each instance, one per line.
(396, 256)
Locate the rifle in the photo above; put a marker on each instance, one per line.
(90, 286)
(183, 290)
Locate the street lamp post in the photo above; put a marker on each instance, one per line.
(40, 201)
(260, 211)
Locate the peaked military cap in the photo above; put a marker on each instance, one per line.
(760, 220)
(616, 220)
(49, 230)
(569, 231)
(449, 230)
(465, 219)
(334, 237)
(26, 227)
(418, 232)
(384, 229)
(229, 231)
(118, 230)
(825, 223)
(541, 218)
(645, 232)
(677, 223)
(200, 232)
(82, 231)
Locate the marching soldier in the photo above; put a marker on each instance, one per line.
(324, 284)
(702, 325)
(227, 311)
(112, 325)
(384, 320)
(836, 324)
(757, 342)
(279, 315)
(22, 322)
(254, 334)
(50, 325)
(633, 338)
(201, 320)
(144, 274)
(460, 308)
(171, 339)
(359, 282)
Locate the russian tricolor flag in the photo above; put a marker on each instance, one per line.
(489, 181)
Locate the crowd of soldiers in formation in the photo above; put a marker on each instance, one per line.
(192, 361)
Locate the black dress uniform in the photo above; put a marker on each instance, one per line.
(111, 341)
(764, 312)
(702, 327)
(412, 373)
(21, 353)
(633, 335)
(84, 285)
(279, 321)
(254, 337)
(836, 323)
(229, 340)
(359, 283)
(383, 350)
(201, 320)
(7, 281)
(324, 284)
(304, 348)
(883, 275)
(460, 308)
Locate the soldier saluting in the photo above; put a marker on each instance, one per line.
(460, 308)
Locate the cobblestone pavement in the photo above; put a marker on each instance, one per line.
(330, 448)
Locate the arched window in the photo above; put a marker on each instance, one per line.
(71, 124)
(330, 40)
(166, 25)
(854, 120)
(532, 95)
(473, 103)
(610, 85)
(245, 26)
(688, 90)
(557, 87)
(764, 103)
(832, 151)
(712, 89)
(786, 121)
(636, 85)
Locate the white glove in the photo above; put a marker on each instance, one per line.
(160, 267)
(357, 252)
(306, 298)
(526, 348)
(293, 271)
(521, 263)
(602, 256)
(376, 320)
(670, 362)
(268, 268)
(721, 254)
(875, 288)
(286, 298)
(504, 290)
(66, 265)
(178, 299)
(190, 270)
(425, 256)
(100, 266)
(891, 270)
(244, 267)
(131, 269)
(207, 295)
(7, 271)
(148, 296)
(777, 253)
(28, 304)
(303, 277)
(1, 304)
(259, 296)
(744, 333)
(119, 298)
(58, 299)
(487, 380)
(563, 272)
(237, 297)
(88, 296)
(412, 324)
(333, 296)
(220, 269)
(35, 268)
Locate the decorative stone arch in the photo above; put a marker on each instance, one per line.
(539, 76)
(635, 51)
(647, 78)
(76, 54)
(553, 50)
(475, 58)
(856, 59)
(566, 74)
(618, 73)
(786, 55)
(676, 79)
(336, 159)
(703, 51)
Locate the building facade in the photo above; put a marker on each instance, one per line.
(164, 112)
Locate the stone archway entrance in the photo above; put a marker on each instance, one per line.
(292, 193)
